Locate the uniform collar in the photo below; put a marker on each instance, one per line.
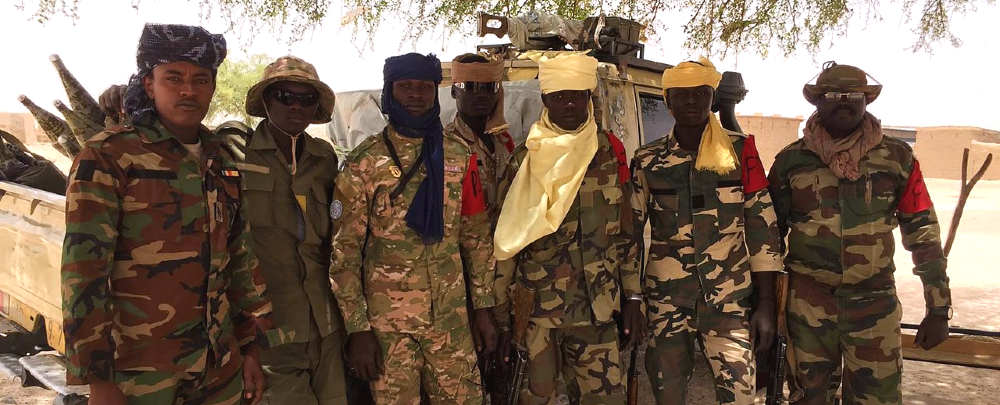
(262, 139)
(155, 131)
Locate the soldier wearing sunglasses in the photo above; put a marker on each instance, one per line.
(838, 193)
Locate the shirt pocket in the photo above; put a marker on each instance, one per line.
(870, 195)
(321, 213)
(613, 197)
(731, 206)
(663, 211)
(259, 194)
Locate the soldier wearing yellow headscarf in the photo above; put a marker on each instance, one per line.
(714, 240)
(560, 237)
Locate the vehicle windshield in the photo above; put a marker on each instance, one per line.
(656, 118)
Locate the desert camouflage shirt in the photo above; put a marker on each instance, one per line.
(580, 272)
(157, 273)
(840, 231)
(708, 231)
(383, 275)
(290, 228)
(491, 163)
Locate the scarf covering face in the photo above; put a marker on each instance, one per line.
(715, 152)
(549, 178)
(167, 43)
(843, 155)
(426, 213)
(480, 72)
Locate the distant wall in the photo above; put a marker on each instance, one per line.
(22, 125)
(771, 133)
(940, 151)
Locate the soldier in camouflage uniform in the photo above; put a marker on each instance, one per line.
(839, 192)
(714, 241)
(409, 216)
(581, 265)
(163, 301)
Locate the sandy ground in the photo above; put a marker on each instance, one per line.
(973, 265)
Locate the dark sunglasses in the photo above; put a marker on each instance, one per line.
(852, 96)
(479, 87)
(288, 98)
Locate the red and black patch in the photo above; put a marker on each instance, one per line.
(508, 141)
(753, 176)
(915, 198)
(619, 149)
(473, 197)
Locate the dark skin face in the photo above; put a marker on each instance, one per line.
(690, 107)
(182, 92)
(416, 96)
(568, 109)
(841, 117)
(294, 118)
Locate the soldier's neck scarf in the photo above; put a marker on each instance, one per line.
(484, 72)
(167, 43)
(715, 152)
(549, 178)
(843, 155)
(426, 213)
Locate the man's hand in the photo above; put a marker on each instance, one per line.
(484, 331)
(106, 393)
(504, 347)
(763, 326)
(634, 323)
(253, 377)
(932, 331)
(364, 356)
(111, 101)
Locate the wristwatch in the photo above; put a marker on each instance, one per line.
(945, 312)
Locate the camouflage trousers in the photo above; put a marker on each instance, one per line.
(724, 335)
(441, 362)
(860, 334)
(586, 356)
(306, 373)
(215, 386)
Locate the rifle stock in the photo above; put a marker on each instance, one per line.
(524, 302)
(632, 387)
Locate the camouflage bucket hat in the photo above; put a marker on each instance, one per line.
(841, 78)
(291, 69)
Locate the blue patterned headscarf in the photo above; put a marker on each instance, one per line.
(426, 213)
(167, 43)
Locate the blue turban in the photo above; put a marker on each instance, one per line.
(426, 213)
(167, 43)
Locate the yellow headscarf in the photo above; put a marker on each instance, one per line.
(549, 178)
(715, 152)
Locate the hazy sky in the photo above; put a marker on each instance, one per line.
(949, 87)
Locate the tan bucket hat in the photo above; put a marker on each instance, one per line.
(291, 69)
(842, 78)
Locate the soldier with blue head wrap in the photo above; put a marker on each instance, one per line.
(411, 230)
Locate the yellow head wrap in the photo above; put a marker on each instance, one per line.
(546, 184)
(715, 152)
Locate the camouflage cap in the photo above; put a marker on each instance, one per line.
(291, 69)
(843, 78)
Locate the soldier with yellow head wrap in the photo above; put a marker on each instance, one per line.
(560, 235)
(714, 241)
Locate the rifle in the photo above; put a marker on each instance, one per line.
(632, 383)
(777, 363)
(524, 303)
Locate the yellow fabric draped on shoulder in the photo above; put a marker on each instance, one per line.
(715, 152)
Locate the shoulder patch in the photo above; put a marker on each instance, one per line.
(618, 148)
(508, 141)
(336, 209)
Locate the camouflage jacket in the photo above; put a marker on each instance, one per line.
(708, 231)
(383, 275)
(291, 232)
(840, 231)
(580, 272)
(491, 164)
(157, 272)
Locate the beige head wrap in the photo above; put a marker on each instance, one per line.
(549, 178)
(480, 72)
(715, 152)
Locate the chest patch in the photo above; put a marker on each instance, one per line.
(453, 168)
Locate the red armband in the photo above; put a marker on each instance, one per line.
(508, 141)
(753, 176)
(473, 199)
(915, 198)
(619, 149)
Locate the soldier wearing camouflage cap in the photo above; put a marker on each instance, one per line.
(714, 241)
(839, 192)
(163, 300)
(564, 236)
(288, 183)
(411, 229)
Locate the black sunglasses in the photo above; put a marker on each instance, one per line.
(479, 87)
(288, 98)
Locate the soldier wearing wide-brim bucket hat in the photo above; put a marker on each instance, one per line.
(841, 78)
(291, 69)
